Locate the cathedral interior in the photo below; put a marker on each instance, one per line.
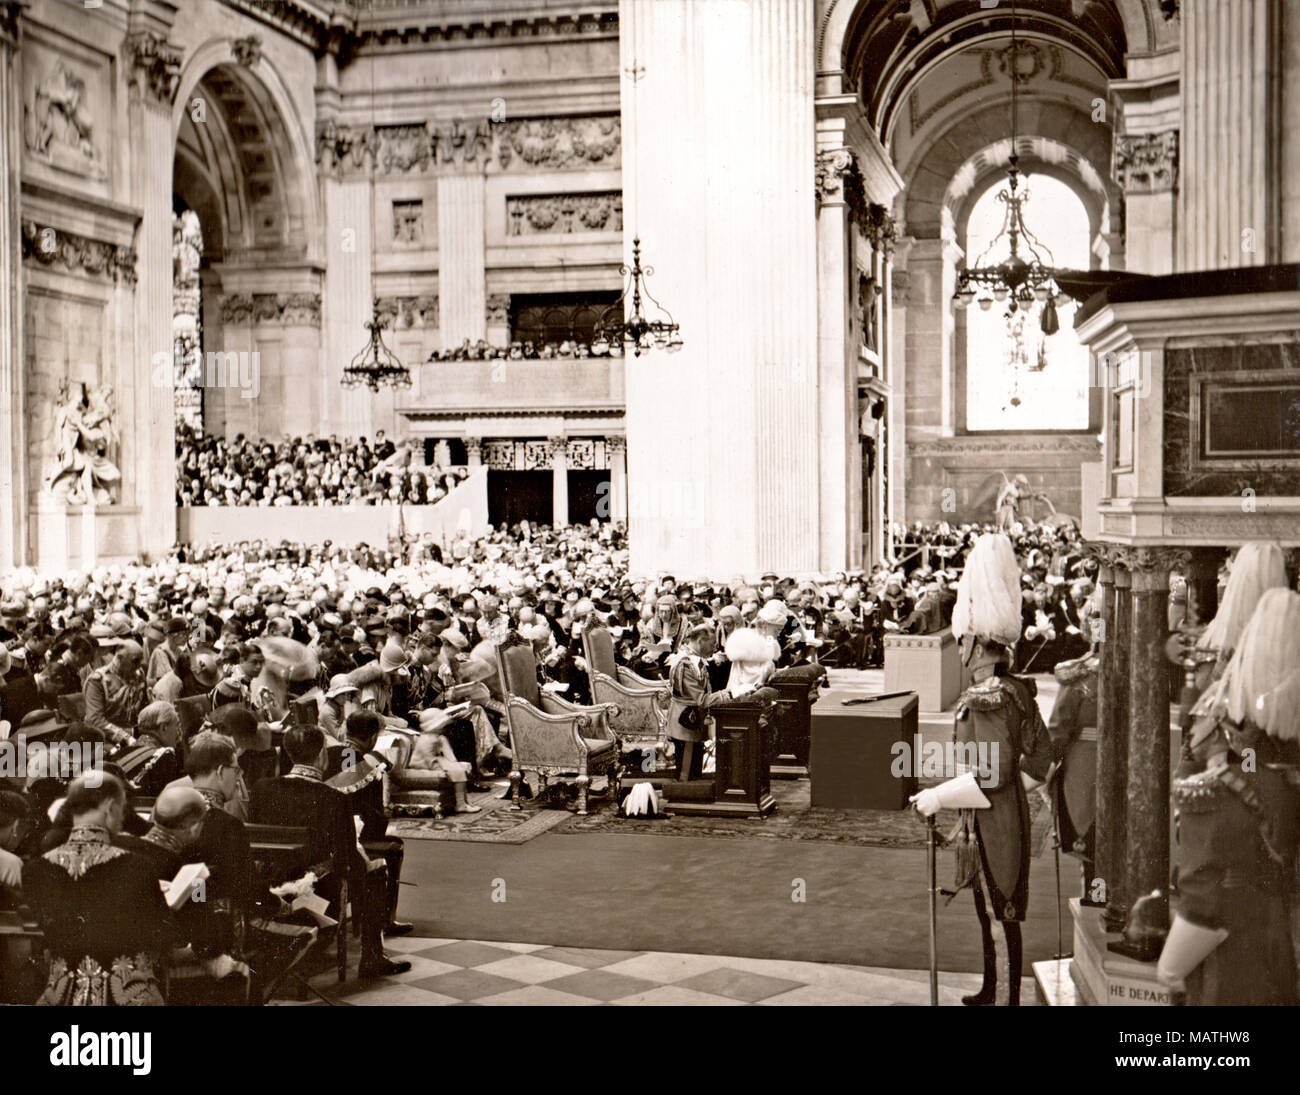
(764, 284)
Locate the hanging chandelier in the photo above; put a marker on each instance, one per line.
(1020, 280)
(376, 366)
(616, 328)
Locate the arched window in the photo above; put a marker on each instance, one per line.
(1017, 378)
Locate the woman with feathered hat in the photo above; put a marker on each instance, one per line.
(999, 726)
(1235, 844)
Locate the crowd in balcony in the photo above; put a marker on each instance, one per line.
(305, 471)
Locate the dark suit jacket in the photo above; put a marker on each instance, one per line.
(290, 800)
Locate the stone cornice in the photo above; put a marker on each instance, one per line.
(54, 247)
(154, 66)
(416, 23)
(323, 27)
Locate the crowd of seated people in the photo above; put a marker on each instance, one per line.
(242, 675)
(304, 471)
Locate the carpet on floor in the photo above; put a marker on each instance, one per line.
(498, 822)
(795, 818)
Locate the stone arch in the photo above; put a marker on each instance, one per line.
(969, 145)
(256, 161)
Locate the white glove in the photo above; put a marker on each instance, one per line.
(927, 802)
(11, 870)
(1186, 946)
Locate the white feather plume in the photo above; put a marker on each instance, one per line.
(988, 593)
(1262, 681)
(746, 644)
(1257, 566)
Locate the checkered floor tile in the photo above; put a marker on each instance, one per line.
(466, 971)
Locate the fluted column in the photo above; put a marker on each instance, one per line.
(719, 140)
(462, 259)
(349, 302)
(1112, 750)
(1231, 64)
(1146, 818)
(617, 449)
(13, 479)
(151, 463)
(557, 448)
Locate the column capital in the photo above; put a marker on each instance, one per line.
(556, 446)
(616, 444)
(1149, 567)
(498, 308)
(839, 179)
(1146, 163)
(155, 67)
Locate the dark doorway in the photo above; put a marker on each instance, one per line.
(588, 496)
(520, 496)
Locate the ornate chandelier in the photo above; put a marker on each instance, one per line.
(376, 366)
(616, 328)
(1019, 280)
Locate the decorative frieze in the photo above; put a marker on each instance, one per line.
(247, 51)
(54, 247)
(409, 311)
(563, 214)
(154, 66)
(286, 309)
(1146, 163)
(560, 142)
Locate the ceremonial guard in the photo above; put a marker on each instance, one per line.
(997, 727)
(1235, 824)
(1072, 781)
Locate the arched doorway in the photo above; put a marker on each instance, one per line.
(241, 170)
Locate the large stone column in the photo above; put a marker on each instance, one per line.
(13, 483)
(616, 447)
(1228, 202)
(462, 259)
(349, 302)
(1146, 818)
(723, 451)
(1112, 747)
(557, 447)
(154, 70)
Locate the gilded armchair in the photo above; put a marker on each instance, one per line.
(550, 736)
(642, 705)
(414, 792)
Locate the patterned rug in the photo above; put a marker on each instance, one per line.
(796, 819)
(498, 823)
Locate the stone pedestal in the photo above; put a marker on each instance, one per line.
(1103, 977)
(929, 665)
(68, 537)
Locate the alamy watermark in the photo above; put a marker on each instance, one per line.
(235, 370)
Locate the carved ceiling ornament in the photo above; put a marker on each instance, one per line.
(155, 66)
(1146, 163)
(54, 247)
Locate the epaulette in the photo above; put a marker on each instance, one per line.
(989, 694)
(1076, 669)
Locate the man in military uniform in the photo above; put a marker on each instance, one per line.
(1072, 778)
(1235, 826)
(115, 694)
(999, 731)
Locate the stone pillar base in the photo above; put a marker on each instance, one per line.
(1103, 977)
(69, 537)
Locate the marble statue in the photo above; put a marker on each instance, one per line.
(86, 445)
